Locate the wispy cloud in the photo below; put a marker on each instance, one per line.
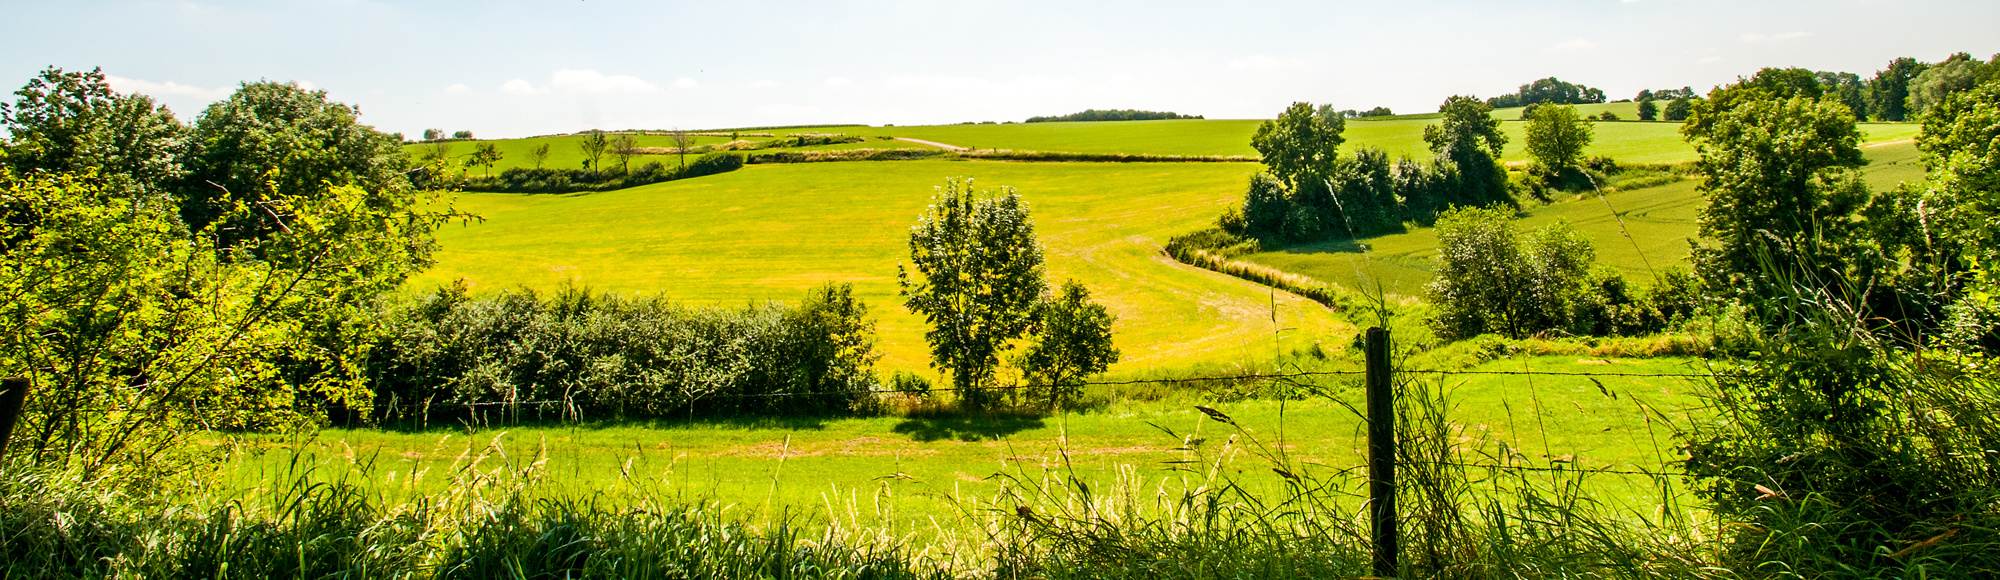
(168, 88)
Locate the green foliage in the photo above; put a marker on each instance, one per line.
(136, 338)
(485, 154)
(1300, 146)
(1849, 89)
(1557, 137)
(1678, 109)
(273, 143)
(1956, 74)
(1942, 229)
(1648, 111)
(1112, 115)
(548, 180)
(575, 354)
(1071, 341)
(72, 122)
(592, 145)
(978, 275)
(1833, 453)
(1889, 92)
(1489, 280)
(461, 134)
(1549, 90)
(1778, 174)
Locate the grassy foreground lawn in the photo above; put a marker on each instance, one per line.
(769, 232)
(1660, 220)
(917, 474)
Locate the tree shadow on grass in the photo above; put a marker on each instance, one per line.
(965, 427)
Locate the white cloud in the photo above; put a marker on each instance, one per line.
(1754, 37)
(685, 83)
(1577, 44)
(457, 88)
(1264, 61)
(169, 88)
(591, 81)
(838, 81)
(520, 87)
(307, 85)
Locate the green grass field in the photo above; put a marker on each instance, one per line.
(769, 232)
(1627, 141)
(918, 472)
(1660, 221)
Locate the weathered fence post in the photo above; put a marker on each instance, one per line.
(1381, 453)
(13, 393)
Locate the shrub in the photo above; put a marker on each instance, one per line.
(1491, 281)
(577, 354)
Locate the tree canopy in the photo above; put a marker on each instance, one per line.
(975, 275)
(1300, 144)
(1548, 90)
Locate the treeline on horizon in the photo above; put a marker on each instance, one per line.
(1113, 115)
(1898, 92)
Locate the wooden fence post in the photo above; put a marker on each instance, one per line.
(1381, 453)
(13, 394)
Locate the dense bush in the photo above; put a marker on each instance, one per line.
(551, 180)
(577, 354)
(1835, 452)
(1490, 280)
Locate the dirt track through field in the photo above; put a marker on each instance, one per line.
(934, 144)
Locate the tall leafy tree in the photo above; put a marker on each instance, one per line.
(1849, 89)
(1889, 92)
(271, 142)
(70, 122)
(1300, 145)
(1557, 136)
(1956, 74)
(975, 275)
(1778, 172)
(1469, 138)
(1678, 109)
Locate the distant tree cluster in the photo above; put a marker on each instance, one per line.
(1311, 193)
(1548, 90)
(1113, 115)
(1328, 111)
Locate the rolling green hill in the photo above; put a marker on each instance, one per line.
(1626, 141)
(1659, 219)
(768, 232)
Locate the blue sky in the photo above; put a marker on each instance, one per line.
(518, 68)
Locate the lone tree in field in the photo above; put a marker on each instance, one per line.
(624, 148)
(1557, 136)
(485, 154)
(682, 140)
(1072, 340)
(539, 155)
(1648, 111)
(977, 279)
(593, 145)
(1677, 109)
